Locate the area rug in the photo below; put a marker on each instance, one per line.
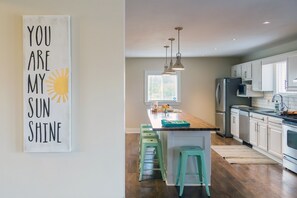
(241, 154)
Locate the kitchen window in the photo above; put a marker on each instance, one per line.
(282, 78)
(162, 88)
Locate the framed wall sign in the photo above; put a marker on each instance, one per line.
(47, 83)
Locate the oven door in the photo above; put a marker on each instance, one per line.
(290, 140)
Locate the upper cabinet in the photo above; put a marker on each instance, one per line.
(292, 73)
(262, 76)
(246, 71)
(243, 71)
(276, 73)
(236, 71)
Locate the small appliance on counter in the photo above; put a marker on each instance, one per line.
(225, 97)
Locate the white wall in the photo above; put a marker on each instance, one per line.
(198, 86)
(96, 166)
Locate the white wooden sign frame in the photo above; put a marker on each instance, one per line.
(47, 83)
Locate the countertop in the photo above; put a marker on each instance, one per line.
(268, 112)
(196, 124)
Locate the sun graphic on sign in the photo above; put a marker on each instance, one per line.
(57, 85)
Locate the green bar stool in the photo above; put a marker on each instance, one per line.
(184, 153)
(144, 136)
(143, 126)
(156, 144)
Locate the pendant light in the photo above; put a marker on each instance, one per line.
(170, 70)
(166, 65)
(178, 65)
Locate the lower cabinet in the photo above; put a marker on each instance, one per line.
(266, 133)
(253, 132)
(258, 130)
(262, 136)
(275, 136)
(235, 122)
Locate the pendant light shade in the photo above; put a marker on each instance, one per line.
(166, 64)
(178, 66)
(170, 70)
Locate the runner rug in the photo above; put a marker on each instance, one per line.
(241, 154)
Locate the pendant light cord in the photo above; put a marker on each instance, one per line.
(171, 51)
(178, 42)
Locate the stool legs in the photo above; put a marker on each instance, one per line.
(182, 174)
(161, 164)
(156, 144)
(142, 151)
(182, 166)
(178, 170)
(204, 174)
(199, 164)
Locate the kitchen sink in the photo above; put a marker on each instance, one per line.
(270, 111)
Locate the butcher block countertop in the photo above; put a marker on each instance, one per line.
(196, 124)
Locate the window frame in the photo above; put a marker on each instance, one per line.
(170, 102)
(277, 77)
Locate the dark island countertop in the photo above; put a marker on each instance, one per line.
(196, 124)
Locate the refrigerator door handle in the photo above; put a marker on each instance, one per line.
(218, 93)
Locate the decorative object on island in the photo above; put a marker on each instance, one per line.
(47, 80)
(178, 65)
(166, 64)
(165, 108)
(170, 70)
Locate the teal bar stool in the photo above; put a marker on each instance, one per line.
(184, 153)
(144, 136)
(151, 143)
(143, 126)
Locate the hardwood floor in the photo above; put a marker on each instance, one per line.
(238, 181)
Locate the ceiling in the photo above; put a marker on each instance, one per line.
(210, 27)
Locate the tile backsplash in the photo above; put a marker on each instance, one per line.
(265, 102)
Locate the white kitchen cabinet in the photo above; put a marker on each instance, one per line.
(235, 122)
(236, 71)
(246, 71)
(275, 136)
(262, 76)
(258, 130)
(291, 84)
(233, 71)
(253, 132)
(262, 135)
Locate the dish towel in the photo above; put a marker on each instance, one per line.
(175, 123)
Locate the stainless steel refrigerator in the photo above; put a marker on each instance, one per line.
(226, 96)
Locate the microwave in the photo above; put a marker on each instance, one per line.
(242, 89)
(245, 90)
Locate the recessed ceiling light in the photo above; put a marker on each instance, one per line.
(266, 22)
(215, 48)
(234, 39)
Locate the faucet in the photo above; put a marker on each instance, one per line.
(282, 104)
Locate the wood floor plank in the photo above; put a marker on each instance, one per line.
(228, 181)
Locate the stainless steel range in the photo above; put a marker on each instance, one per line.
(290, 143)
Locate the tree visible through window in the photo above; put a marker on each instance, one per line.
(162, 87)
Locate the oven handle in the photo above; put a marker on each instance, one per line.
(289, 159)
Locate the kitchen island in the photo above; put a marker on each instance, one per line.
(198, 134)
